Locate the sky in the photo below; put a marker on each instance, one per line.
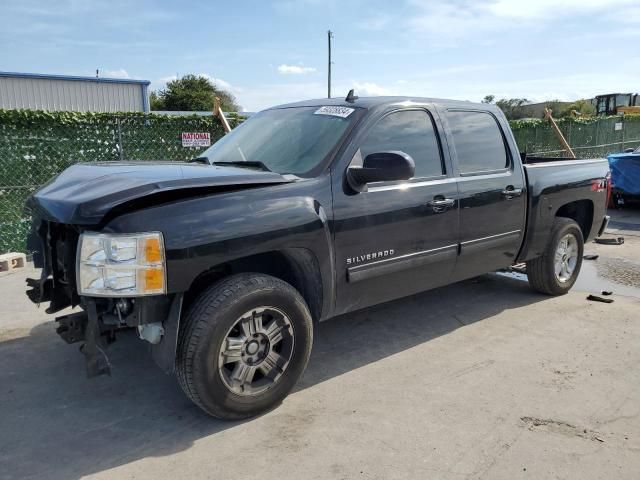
(273, 52)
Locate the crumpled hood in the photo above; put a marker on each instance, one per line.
(84, 193)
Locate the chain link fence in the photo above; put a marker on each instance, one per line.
(36, 146)
(589, 138)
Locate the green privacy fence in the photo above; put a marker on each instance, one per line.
(589, 138)
(35, 146)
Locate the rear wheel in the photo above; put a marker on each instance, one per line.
(245, 343)
(555, 272)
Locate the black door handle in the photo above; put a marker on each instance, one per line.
(440, 205)
(511, 192)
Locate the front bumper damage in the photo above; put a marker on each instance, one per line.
(156, 317)
(96, 326)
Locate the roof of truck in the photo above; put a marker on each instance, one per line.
(370, 102)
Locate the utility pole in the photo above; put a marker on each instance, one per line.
(329, 37)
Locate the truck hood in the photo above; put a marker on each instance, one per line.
(84, 193)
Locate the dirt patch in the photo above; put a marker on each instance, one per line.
(561, 428)
(13, 333)
(290, 430)
(620, 270)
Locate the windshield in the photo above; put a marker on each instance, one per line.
(286, 140)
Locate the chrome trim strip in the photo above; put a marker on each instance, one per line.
(492, 241)
(498, 172)
(397, 264)
(504, 173)
(409, 184)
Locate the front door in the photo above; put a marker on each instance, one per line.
(395, 238)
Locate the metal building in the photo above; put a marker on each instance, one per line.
(36, 91)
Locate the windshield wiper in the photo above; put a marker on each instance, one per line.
(204, 160)
(245, 164)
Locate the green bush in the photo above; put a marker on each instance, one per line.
(35, 146)
(590, 137)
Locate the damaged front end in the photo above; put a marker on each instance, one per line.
(114, 301)
(119, 279)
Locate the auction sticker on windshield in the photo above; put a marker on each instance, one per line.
(343, 112)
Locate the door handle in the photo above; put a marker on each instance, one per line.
(440, 204)
(511, 192)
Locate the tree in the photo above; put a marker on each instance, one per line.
(488, 99)
(155, 101)
(558, 108)
(513, 108)
(582, 107)
(193, 94)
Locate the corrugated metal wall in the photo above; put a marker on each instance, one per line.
(71, 95)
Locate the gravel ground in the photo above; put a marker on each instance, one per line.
(620, 270)
(482, 379)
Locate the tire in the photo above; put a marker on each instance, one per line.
(220, 345)
(542, 271)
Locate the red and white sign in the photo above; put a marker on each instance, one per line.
(196, 139)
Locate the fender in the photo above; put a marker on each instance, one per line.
(204, 232)
(552, 186)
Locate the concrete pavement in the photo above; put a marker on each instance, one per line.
(482, 379)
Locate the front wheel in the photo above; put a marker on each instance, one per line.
(244, 344)
(555, 272)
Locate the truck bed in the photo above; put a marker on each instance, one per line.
(554, 184)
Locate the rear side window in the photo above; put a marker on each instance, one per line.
(478, 141)
(412, 132)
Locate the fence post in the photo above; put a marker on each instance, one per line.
(120, 146)
(597, 142)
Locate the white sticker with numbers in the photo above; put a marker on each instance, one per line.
(342, 112)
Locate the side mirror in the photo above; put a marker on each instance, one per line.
(381, 167)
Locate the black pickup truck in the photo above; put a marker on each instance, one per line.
(305, 211)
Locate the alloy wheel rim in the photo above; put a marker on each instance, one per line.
(256, 351)
(566, 258)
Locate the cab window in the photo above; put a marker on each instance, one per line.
(409, 131)
(478, 142)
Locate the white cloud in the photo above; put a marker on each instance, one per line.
(121, 73)
(264, 96)
(376, 22)
(164, 80)
(219, 82)
(371, 89)
(445, 24)
(295, 69)
(295, 6)
(536, 9)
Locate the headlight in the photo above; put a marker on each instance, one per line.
(121, 265)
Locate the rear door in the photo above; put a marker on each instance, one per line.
(400, 237)
(492, 191)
